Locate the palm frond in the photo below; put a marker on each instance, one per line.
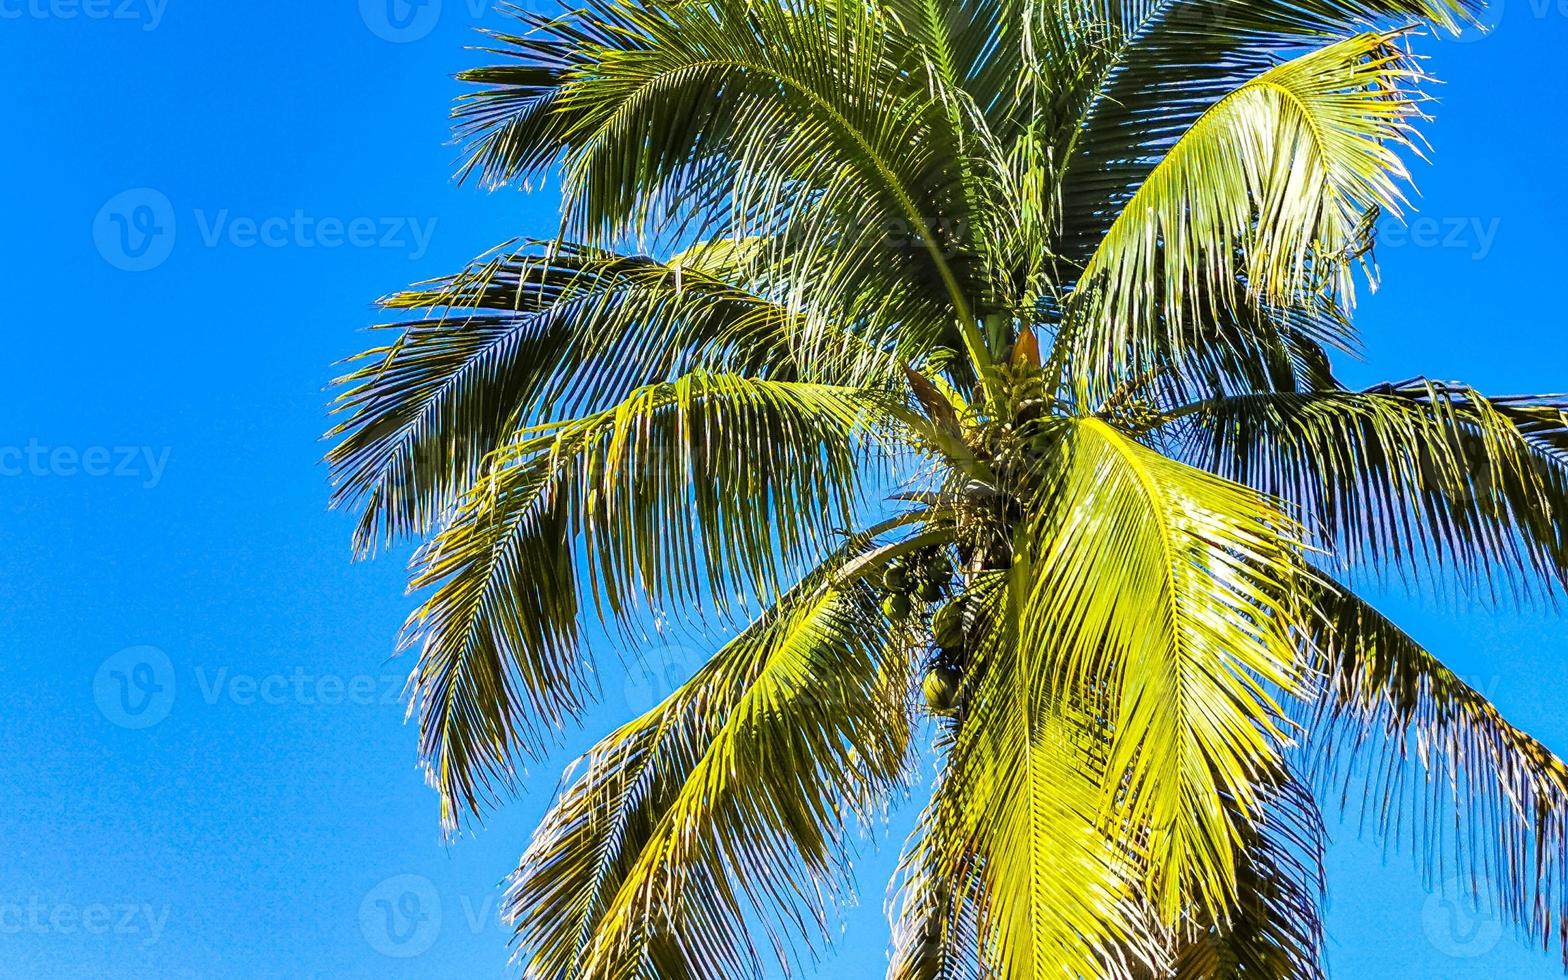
(1489, 802)
(1275, 932)
(778, 136)
(936, 905)
(712, 488)
(722, 815)
(1413, 475)
(549, 331)
(1259, 201)
(1020, 836)
(1165, 63)
(1171, 591)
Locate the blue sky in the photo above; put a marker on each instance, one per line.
(205, 767)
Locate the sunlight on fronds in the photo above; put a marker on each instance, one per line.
(982, 358)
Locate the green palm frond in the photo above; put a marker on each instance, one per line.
(718, 817)
(1258, 201)
(530, 335)
(514, 126)
(1021, 834)
(636, 156)
(1413, 474)
(693, 489)
(1422, 741)
(1166, 63)
(1172, 591)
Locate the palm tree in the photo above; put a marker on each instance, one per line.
(972, 359)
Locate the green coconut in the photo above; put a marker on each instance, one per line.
(896, 606)
(931, 589)
(896, 578)
(947, 625)
(940, 688)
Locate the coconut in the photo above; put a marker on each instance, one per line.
(947, 625)
(896, 578)
(940, 688)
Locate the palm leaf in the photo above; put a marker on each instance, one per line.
(1172, 591)
(725, 809)
(1492, 799)
(1275, 931)
(1166, 63)
(1411, 474)
(709, 487)
(1278, 172)
(558, 331)
(1019, 838)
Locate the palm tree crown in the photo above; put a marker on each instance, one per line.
(973, 359)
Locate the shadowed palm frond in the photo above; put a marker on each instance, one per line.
(526, 337)
(935, 912)
(1493, 801)
(1276, 928)
(1411, 474)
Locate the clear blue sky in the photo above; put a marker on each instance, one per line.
(159, 415)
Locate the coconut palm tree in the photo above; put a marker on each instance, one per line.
(971, 360)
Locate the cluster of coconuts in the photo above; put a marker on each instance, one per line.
(926, 576)
(944, 678)
(923, 575)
